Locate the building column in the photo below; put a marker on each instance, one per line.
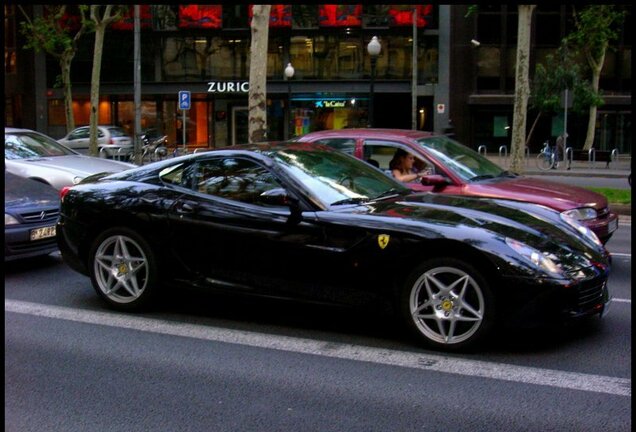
(442, 90)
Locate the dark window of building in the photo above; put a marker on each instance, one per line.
(235, 16)
(548, 29)
(304, 16)
(375, 15)
(9, 40)
(489, 28)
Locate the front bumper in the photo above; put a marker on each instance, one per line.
(545, 301)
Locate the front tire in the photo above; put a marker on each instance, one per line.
(545, 162)
(124, 269)
(447, 304)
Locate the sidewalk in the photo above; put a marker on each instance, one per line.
(618, 169)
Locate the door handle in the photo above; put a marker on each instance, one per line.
(184, 208)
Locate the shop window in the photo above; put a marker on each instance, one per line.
(301, 53)
(427, 58)
(349, 58)
(326, 56)
(275, 60)
(56, 113)
(488, 62)
(400, 54)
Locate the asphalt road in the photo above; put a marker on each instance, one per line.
(202, 362)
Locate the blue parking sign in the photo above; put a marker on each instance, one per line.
(184, 100)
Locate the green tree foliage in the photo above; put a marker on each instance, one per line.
(52, 34)
(596, 28)
(560, 71)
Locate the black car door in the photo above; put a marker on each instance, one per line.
(229, 232)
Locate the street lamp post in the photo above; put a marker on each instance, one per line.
(373, 49)
(289, 74)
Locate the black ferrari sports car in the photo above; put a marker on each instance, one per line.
(302, 221)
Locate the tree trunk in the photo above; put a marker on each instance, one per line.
(95, 77)
(101, 23)
(522, 88)
(65, 66)
(597, 67)
(257, 131)
(534, 124)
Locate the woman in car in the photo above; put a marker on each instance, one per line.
(401, 167)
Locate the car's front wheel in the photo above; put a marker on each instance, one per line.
(123, 269)
(448, 304)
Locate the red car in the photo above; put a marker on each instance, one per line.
(453, 168)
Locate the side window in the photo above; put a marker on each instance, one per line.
(345, 145)
(237, 179)
(381, 153)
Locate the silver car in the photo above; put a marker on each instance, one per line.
(31, 154)
(112, 141)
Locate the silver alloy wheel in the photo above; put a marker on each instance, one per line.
(446, 305)
(121, 269)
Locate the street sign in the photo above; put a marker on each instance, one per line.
(184, 100)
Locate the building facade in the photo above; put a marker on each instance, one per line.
(204, 49)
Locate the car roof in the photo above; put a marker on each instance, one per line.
(14, 130)
(370, 133)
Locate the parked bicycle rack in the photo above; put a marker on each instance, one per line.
(503, 152)
(482, 149)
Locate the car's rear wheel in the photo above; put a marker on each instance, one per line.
(123, 269)
(448, 304)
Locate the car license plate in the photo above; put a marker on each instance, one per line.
(41, 233)
(612, 225)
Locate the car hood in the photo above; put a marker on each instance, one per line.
(20, 191)
(477, 221)
(79, 165)
(558, 196)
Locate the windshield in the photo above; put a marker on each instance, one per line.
(32, 145)
(463, 161)
(335, 178)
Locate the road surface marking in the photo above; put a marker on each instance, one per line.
(430, 362)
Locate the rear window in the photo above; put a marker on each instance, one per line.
(346, 145)
(117, 132)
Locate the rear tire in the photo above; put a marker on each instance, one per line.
(447, 304)
(124, 269)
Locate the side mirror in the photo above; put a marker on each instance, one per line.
(435, 180)
(276, 197)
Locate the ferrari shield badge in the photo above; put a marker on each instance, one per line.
(383, 240)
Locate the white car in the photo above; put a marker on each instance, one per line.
(112, 141)
(31, 154)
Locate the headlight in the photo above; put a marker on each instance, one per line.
(583, 213)
(535, 257)
(77, 179)
(10, 220)
(582, 229)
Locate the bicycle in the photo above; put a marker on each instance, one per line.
(547, 158)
